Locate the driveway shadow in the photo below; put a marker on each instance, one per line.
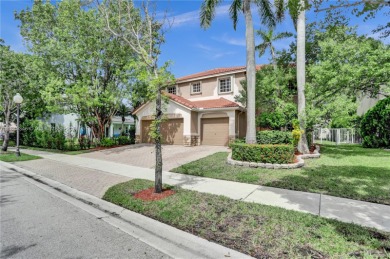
(12, 250)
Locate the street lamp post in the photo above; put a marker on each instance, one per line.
(18, 99)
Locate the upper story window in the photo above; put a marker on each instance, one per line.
(172, 89)
(195, 88)
(225, 85)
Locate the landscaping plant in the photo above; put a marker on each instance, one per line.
(375, 125)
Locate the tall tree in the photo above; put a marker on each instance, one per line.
(141, 31)
(87, 68)
(301, 75)
(267, 16)
(18, 75)
(268, 38)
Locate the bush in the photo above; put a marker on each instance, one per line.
(274, 137)
(84, 142)
(274, 154)
(375, 125)
(123, 140)
(107, 142)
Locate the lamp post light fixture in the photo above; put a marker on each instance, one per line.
(18, 99)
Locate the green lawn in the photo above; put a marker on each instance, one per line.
(259, 230)
(11, 157)
(348, 171)
(76, 152)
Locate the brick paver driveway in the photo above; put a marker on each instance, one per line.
(143, 155)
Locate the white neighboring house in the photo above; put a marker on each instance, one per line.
(366, 103)
(71, 120)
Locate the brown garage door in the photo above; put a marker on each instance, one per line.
(215, 131)
(172, 132)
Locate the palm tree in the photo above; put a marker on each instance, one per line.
(268, 38)
(301, 74)
(267, 16)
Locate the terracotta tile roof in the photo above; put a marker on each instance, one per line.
(180, 100)
(215, 71)
(205, 104)
(215, 103)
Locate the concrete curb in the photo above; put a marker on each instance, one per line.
(300, 163)
(169, 240)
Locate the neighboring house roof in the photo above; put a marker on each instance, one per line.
(204, 104)
(214, 72)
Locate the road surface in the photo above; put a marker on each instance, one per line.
(37, 224)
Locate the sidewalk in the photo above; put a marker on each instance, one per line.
(347, 210)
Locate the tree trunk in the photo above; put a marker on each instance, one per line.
(159, 162)
(7, 126)
(301, 76)
(250, 74)
(273, 57)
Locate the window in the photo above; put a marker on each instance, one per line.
(225, 85)
(195, 88)
(172, 89)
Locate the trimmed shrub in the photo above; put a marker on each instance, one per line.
(107, 142)
(375, 125)
(274, 154)
(123, 140)
(274, 137)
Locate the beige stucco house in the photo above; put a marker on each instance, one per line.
(201, 110)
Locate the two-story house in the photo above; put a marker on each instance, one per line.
(201, 110)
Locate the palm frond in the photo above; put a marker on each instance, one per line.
(267, 16)
(280, 8)
(283, 35)
(261, 48)
(207, 12)
(234, 9)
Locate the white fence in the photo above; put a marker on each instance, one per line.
(336, 136)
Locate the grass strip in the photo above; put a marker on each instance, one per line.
(348, 171)
(258, 230)
(11, 157)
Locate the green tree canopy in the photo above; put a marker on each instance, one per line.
(89, 71)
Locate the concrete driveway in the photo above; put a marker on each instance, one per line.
(143, 155)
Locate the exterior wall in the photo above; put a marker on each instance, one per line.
(209, 88)
(173, 110)
(64, 120)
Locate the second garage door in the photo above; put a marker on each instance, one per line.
(215, 131)
(171, 130)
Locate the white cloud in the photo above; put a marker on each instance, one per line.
(193, 16)
(231, 40)
(213, 53)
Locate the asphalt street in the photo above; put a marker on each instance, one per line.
(38, 224)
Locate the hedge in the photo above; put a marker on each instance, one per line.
(274, 137)
(274, 154)
(375, 125)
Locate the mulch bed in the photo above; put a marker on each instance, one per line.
(150, 195)
(311, 149)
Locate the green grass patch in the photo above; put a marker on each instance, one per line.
(11, 157)
(348, 171)
(259, 230)
(75, 152)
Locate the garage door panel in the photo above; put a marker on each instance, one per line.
(215, 131)
(171, 131)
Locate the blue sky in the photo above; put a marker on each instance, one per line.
(191, 48)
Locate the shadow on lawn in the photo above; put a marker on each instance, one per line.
(342, 151)
(355, 182)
